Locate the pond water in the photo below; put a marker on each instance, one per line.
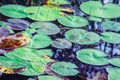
(69, 55)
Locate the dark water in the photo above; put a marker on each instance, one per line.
(69, 55)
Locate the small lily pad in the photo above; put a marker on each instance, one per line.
(48, 78)
(113, 73)
(3, 32)
(58, 2)
(64, 68)
(93, 18)
(73, 21)
(46, 28)
(82, 37)
(115, 61)
(61, 43)
(111, 25)
(15, 11)
(111, 37)
(93, 57)
(40, 41)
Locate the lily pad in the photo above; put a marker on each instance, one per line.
(93, 18)
(3, 31)
(46, 28)
(97, 9)
(17, 24)
(48, 78)
(115, 62)
(93, 57)
(82, 37)
(73, 21)
(111, 37)
(43, 13)
(64, 68)
(111, 25)
(61, 43)
(40, 41)
(113, 73)
(15, 11)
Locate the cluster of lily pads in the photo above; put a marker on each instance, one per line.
(34, 57)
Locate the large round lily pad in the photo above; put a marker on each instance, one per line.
(48, 78)
(73, 21)
(15, 11)
(40, 41)
(111, 25)
(92, 56)
(43, 13)
(113, 73)
(3, 31)
(61, 43)
(96, 8)
(82, 37)
(46, 28)
(111, 37)
(64, 68)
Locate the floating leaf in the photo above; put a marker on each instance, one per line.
(73, 21)
(95, 8)
(40, 41)
(48, 78)
(111, 37)
(82, 37)
(111, 25)
(64, 68)
(115, 61)
(113, 73)
(93, 18)
(3, 31)
(15, 11)
(91, 56)
(61, 43)
(46, 28)
(58, 2)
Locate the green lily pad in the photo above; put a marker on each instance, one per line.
(91, 56)
(46, 28)
(73, 21)
(96, 8)
(64, 68)
(113, 73)
(25, 54)
(58, 2)
(61, 43)
(115, 61)
(15, 11)
(111, 25)
(29, 71)
(7, 62)
(82, 37)
(48, 78)
(40, 41)
(42, 13)
(93, 18)
(111, 37)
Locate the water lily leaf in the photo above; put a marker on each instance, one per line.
(115, 61)
(91, 56)
(111, 25)
(93, 18)
(29, 71)
(64, 68)
(95, 8)
(3, 31)
(15, 11)
(61, 43)
(82, 37)
(43, 13)
(31, 79)
(73, 21)
(25, 54)
(7, 62)
(111, 37)
(40, 41)
(58, 2)
(17, 24)
(48, 78)
(113, 73)
(46, 28)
